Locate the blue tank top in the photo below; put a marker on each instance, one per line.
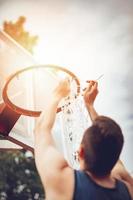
(87, 189)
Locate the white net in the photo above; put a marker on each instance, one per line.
(75, 120)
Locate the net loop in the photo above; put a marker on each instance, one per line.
(75, 120)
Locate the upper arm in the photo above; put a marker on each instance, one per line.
(119, 171)
(122, 174)
(49, 161)
(56, 175)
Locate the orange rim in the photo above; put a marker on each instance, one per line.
(32, 113)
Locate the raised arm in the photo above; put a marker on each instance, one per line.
(119, 170)
(49, 160)
(89, 95)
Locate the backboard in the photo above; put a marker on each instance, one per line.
(17, 128)
(14, 57)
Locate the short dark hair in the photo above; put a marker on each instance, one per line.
(102, 143)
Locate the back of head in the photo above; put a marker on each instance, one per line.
(102, 144)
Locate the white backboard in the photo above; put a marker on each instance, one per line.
(13, 57)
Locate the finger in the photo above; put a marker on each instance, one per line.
(90, 81)
(93, 88)
(95, 85)
(66, 78)
(88, 88)
(91, 84)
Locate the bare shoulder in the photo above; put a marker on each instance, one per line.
(60, 186)
(56, 175)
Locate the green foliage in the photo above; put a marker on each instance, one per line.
(17, 32)
(19, 179)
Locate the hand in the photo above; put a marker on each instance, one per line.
(63, 88)
(90, 93)
(119, 171)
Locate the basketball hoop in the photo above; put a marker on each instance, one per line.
(73, 115)
(44, 69)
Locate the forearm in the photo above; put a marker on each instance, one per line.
(43, 129)
(92, 112)
(126, 175)
(120, 172)
(47, 117)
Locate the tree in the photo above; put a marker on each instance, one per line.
(19, 179)
(17, 32)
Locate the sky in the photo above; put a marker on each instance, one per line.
(90, 38)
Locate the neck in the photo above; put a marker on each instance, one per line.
(105, 181)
